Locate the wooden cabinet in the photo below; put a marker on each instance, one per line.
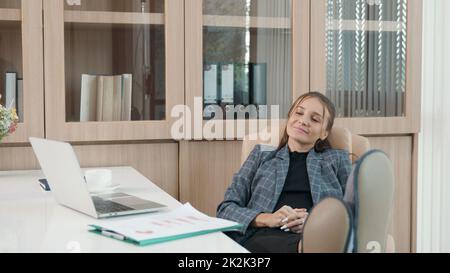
(107, 41)
(21, 49)
(59, 41)
(400, 149)
(242, 56)
(232, 56)
(366, 57)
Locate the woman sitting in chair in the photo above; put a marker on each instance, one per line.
(274, 190)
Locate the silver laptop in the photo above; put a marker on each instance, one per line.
(65, 177)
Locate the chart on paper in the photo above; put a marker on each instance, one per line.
(182, 220)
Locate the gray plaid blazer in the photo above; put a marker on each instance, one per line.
(257, 186)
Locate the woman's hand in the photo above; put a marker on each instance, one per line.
(277, 219)
(296, 221)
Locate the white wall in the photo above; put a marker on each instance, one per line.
(433, 229)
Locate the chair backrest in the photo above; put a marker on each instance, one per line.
(340, 138)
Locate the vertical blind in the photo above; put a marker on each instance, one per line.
(274, 46)
(366, 57)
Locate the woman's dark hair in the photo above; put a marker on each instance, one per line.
(320, 145)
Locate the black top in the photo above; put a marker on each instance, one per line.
(297, 191)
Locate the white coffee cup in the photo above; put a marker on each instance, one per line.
(98, 179)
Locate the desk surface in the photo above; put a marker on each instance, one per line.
(31, 220)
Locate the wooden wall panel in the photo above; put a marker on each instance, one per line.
(399, 150)
(206, 171)
(17, 158)
(157, 162)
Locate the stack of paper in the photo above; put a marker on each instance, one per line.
(180, 223)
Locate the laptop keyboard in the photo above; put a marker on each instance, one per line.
(104, 206)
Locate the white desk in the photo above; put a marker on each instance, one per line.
(31, 221)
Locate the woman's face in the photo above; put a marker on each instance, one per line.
(307, 123)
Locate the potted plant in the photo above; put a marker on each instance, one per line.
(8, 121)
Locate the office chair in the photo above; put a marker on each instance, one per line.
(339, 138)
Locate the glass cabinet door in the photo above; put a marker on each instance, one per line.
(111, 58)
(359, 60)
(21, 76)
(243, 56)
(247, 53)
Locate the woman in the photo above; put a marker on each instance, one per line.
(274, 190)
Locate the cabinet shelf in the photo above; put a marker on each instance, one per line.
(352, 25)
(10, 15)
(244, 22)
(103, 17)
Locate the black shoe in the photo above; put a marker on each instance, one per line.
(370, 194)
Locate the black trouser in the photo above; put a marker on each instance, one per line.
(269, 240)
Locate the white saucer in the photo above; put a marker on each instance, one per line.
(105, 189)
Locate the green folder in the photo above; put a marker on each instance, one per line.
(100, 231)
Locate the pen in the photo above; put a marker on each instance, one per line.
(113, 235)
